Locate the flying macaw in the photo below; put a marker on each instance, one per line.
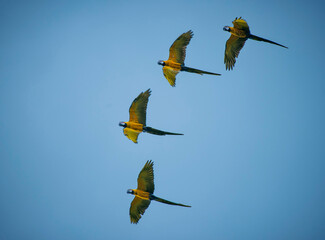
(175, 62)
(137, 121)
(144, 193)
(239, 34)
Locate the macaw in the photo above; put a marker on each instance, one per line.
(175, 62)
(239, 34)
(144, 193)
(137, 121)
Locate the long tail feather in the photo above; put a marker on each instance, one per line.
(159, 132)
(193, 70)
(264, 40)
(167, 202)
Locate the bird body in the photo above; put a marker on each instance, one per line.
(141, 194)
(175, 62)
(176, 66)
(134, 126)
(137, 120)
(239, 34)
(144, 193)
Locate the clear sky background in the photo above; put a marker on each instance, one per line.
(251, 162)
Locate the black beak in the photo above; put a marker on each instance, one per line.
(122, 124)
(226, 28)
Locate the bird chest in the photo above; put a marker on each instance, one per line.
(172, 64)
(142, 194)
(240, 33)
(135, 126)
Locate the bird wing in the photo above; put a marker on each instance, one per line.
(177, 51)
(138, 108)
(137, 208)
(170, 75)
(240, 23)
(131, 134)
(233, 47)
(145, 178)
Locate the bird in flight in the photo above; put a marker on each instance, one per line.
(144, 193)
(175, 62)
(137, 121)
(239, 34)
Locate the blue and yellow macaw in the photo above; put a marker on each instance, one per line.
(137, 121)
(239, 34)
(144, 193)
(175, 62)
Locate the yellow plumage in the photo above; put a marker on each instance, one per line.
(131, 134)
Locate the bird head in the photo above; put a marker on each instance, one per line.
(130, 191)
(161, 62)
(226, 28)
(122, 124)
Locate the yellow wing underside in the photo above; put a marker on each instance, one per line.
(146, 178)
(138, 108)
(177, 51)
(233, 47)
(131, 134)
(170, 75)
(138, 208)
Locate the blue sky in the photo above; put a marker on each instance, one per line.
(251, 161)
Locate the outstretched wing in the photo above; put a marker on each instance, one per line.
(170, 75)
(131, 134)
(177, 51)
(240, 23)
(137, 208)
(233, 47)
(138, 108)
(145, 178)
